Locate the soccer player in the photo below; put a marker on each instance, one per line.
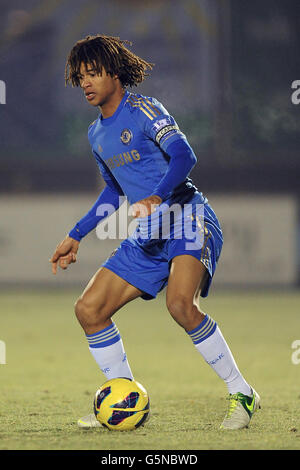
(143, 155)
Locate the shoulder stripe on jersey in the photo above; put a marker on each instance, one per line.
(152, 106)
(137, 104)
(143, 101)
(141, 104)
(134, 100)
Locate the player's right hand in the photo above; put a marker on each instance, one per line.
(65, 254)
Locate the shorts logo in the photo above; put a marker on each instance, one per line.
(126, 136)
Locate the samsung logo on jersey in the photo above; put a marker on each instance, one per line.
(122, 159)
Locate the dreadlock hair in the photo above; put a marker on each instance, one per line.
(106, 52)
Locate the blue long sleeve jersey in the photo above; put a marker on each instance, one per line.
(140, 152)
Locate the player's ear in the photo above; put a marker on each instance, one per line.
(113, 76)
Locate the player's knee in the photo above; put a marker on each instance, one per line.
(88, 314)
(180, 307)
(184, 311)
(82, 310)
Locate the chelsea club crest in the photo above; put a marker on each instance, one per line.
(126, 136)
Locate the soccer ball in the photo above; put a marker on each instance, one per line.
(121, 404)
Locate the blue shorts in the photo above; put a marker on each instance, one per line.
(146, 263)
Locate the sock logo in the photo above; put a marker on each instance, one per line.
(214, 361)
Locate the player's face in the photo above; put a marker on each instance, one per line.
(98, 89)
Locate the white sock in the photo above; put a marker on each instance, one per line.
(108, 351)
(211, 344)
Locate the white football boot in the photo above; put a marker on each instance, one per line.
(240, 411)
(88, 422)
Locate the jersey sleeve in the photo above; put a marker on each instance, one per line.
(109, 201)
(107, 176)
(159, 125)
(108, 198)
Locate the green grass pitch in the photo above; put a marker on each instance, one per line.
(50, 378)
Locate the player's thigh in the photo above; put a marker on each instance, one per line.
(106, 293)
(186, 279)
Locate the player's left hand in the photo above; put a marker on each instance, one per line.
(145, 207)
(65, 254)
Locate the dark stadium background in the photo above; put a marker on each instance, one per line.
(224, 69)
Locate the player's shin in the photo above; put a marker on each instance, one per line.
(211, 344)
(106, 346)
